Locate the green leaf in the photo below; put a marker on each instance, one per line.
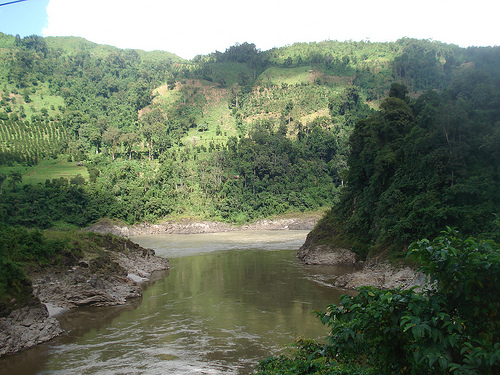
(443, 362)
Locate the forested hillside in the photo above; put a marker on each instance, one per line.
(420, 165)
(234, 135)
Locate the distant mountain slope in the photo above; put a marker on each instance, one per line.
(233, 135)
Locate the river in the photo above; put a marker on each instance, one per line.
(229, 300)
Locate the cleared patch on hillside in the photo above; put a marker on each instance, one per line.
(311, 116)
(215, 111)
(54, 169)
(289, 76)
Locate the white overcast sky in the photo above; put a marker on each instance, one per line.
(191, 27)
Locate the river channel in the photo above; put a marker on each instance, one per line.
(229, 300)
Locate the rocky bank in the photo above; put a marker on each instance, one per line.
(377, 271)
(26, 327)
(108, 279)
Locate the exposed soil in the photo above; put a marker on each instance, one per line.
(105, 280)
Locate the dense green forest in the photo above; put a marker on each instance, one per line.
(419, 165)
(233, 136)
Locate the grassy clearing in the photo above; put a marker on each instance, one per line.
(47, 169)
(53, 169)
(290, 76)
(164, 96)
(221, 115)
(42, 99)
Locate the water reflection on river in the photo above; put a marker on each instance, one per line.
(229, 300)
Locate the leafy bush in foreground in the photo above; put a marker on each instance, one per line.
(453, 327)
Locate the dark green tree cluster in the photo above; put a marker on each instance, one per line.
(419, 165)
(419, 63)
(102, 92)
(142, 193)
(56, 202)
(29, 64)
(270, 174)
(242, 53)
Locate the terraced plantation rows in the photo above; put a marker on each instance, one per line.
(30, 141)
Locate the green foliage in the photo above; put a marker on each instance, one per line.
(14, 285)
(20, 247)
(418, 166)
(42, 206)
(100, 103)
(15, 178)
(308, 358)
(467, 273)
(452, 327)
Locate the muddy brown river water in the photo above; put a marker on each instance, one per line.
(229, 300)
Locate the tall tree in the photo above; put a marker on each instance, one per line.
(15, 178)
(153, 129)
(3, 177)
(111, 137)
(129, 140)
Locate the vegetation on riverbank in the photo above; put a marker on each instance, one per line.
(26, 252)
(453, 327)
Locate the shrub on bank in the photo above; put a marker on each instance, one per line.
(453, 327)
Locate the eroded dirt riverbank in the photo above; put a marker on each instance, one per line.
(106, 279)
(195, 227)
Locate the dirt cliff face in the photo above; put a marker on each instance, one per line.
(326, 254)
(320, 247)
(104, 278)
